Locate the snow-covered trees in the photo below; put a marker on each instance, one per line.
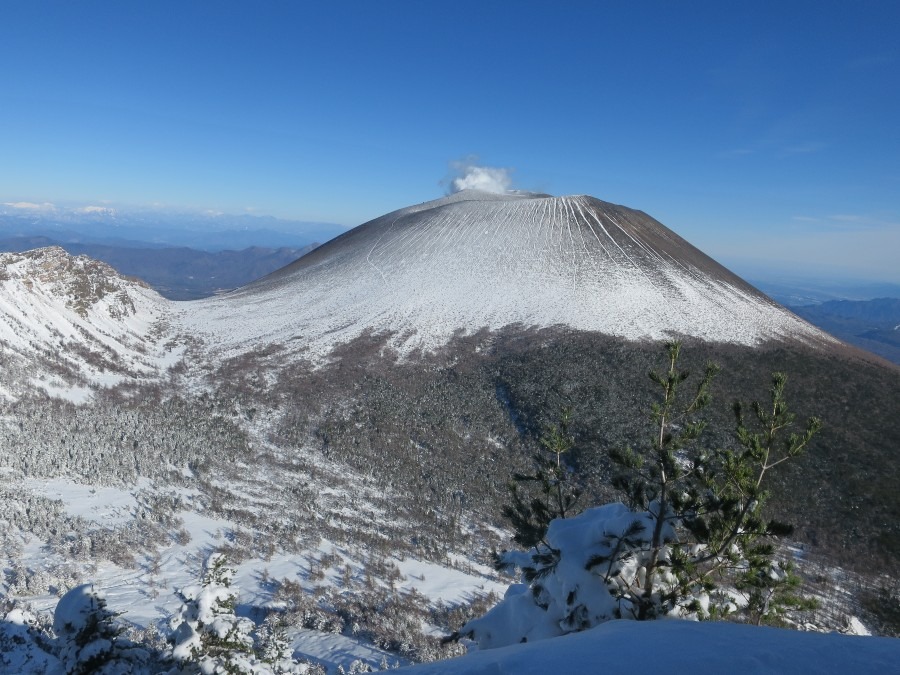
(26, 645)
(693, 542)
(206, 636)
(89, 640)
(206, 630)
(209, 636)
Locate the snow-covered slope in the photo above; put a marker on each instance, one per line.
(680, 647)
(425, 273)
(475, 260)
(75, 323)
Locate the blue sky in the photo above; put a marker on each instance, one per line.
(767, 132)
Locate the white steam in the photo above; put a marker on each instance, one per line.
(471, 176)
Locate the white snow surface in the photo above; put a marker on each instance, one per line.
(80, 313)
(477, 260)
(676, 646)
(101, 504)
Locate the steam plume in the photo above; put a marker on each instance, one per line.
(472, 176)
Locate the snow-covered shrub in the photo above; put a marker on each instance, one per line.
(275, 652)
(26, 646)
(54, 578)
(24, 581)
(573, 581)
(89, 640)
(206, 629)
(273, 645)
(304, 610)
(209, 635)
(392, 620)
(357, 667)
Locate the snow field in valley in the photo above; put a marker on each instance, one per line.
(144, 593)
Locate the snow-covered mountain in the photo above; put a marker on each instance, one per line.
(72, 323)
(423, 274)
(476, 260)
(344, 429)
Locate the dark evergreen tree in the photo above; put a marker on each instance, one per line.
(712, 501)
(550, 492)
(662, 476)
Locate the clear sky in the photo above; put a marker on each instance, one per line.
(766, 131)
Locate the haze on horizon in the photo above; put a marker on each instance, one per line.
(763, 133)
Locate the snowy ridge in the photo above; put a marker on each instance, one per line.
(477, 260)
(82, 317)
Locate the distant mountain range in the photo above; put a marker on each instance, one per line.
(863, 314)
(799, 292)
(177, 273)
(183, 255)
(159, 228)
(873, 325)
